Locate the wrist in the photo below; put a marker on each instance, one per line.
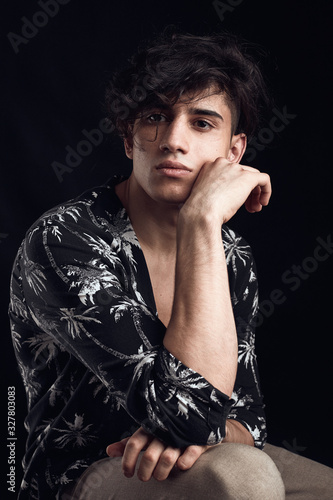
(196, 218)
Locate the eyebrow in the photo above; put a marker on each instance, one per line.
(207, 112)
(199, 111)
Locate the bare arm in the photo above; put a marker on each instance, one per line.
(202, 332)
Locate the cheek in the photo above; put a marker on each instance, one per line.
(141, 163)
(213, 152)
(225, 151)
(145, 134)
(139, 147)
(144, 144)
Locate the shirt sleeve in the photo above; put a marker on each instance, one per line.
(80, 286)
(247, 407)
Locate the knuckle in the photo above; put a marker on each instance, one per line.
(169, 457)
(133, 445)
(149, 457)
(193, 453)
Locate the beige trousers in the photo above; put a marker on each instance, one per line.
(227, 472)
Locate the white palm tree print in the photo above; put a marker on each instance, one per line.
(91, 278)
(30, 381)
(16, 338)
(122, 231)
(42, 345)
(235, 249)
(75, 322)
(181, 382)
(127, 304)
(103, 248)
(57, 214)
(75, 434)
(246, 353)
(35, 276)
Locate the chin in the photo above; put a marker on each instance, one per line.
(173, 200)
(173, 195)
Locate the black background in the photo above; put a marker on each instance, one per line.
(53, 90)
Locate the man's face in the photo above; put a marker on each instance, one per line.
(171, 145)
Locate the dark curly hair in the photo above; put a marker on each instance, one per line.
(173, 65)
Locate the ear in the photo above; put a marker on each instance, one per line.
(128, 144)
(237, 148)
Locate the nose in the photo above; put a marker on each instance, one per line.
(175, 137)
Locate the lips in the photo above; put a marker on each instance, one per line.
(172, 170)
(172, 165)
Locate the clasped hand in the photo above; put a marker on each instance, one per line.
(158, 458)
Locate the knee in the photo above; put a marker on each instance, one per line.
(243, 472)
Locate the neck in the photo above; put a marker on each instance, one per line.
(155, 224)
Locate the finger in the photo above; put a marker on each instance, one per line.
(264, 180)
(190, 456)
(134, 446)
(265, 188)
(250, 169)
(260, 195)
(266, 193)
(116, 449)
(253, 203)
(150, 460)
(166, 463)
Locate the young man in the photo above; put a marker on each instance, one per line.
(133, 312)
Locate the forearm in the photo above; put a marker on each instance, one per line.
(202, 332)
(237, 433)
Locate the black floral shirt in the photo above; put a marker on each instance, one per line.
(88, 343)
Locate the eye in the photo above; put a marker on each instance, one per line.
(156, 118)
(203, 124)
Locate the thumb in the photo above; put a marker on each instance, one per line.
(190, 456)
(116, 449)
